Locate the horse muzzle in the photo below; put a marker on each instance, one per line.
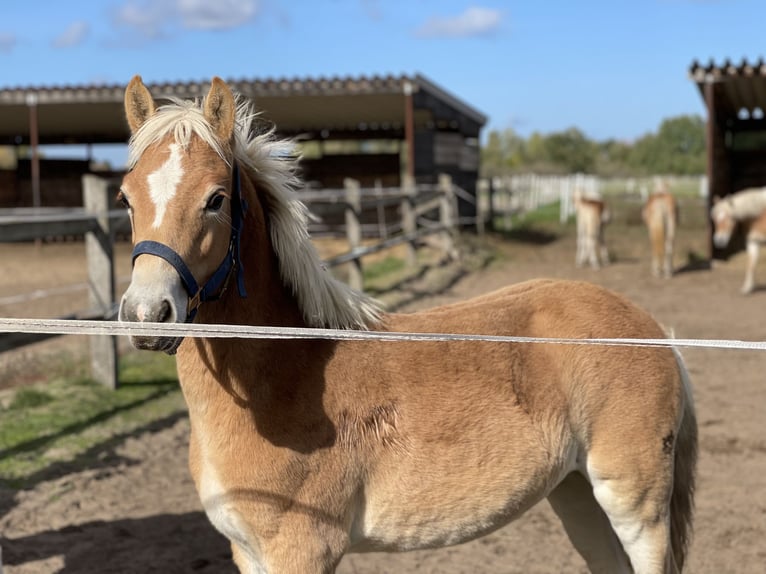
(720, 240)
(136, 307)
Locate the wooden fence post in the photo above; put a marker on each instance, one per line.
(483, 210)
(511, 193)
(354, 230)
(409, 221)
(382, 226)
(99, 247)
(447, 215)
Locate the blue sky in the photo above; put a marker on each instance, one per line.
(613, 68)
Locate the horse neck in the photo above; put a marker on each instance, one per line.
(267, 302)
(240, 371)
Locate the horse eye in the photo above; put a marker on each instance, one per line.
(215, 202)
(123, 199)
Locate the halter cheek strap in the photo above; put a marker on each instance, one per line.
(216, 285)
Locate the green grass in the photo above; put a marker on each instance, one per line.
(546, 215)
(382, 268)
(70, 422)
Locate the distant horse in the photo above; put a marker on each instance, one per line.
(592, 215)
(747, 208)
(660, 214)
(303, 450)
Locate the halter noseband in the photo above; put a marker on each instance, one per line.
(219, 280)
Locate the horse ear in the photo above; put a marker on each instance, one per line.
(220, 109)
(139, 104)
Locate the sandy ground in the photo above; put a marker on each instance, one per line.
(136, 511)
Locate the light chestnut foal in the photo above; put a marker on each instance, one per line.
(592, 215)
(303, 450)
(748, 209)
(660, 214)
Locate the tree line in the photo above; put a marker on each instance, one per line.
(677, 148)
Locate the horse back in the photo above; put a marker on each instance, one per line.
(660, 209)
(546, 379)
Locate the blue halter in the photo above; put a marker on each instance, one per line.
(215, 287)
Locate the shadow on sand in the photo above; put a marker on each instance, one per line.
(167, 543)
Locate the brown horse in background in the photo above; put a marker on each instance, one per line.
(660, 214)
(592, 216)
(304, 450)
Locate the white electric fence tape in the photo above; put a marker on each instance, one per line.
(213, 331)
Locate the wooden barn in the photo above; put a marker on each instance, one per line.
(735, 97)
(373, 129)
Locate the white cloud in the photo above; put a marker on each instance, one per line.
(7, 42)
(220, 14)
(156, 18)
(75, 34)
(475, 21)
(148, 19)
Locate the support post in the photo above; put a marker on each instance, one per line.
(33, 146)
(409, 128)
(99, 250)
(354, 230)
(712, 142)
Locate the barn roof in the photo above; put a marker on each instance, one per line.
(740, 88)
(94, 113)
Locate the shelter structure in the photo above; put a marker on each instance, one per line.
(373, 129)
(735, 98)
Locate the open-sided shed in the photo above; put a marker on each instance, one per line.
(371, 129)
(735, 97)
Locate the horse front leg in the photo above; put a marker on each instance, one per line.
(752, 260)
(294, 549)
(580, 256)
(667, 267)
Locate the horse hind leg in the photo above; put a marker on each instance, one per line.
(657, 242)
(636, 498)
(587, 526)
(670, 234)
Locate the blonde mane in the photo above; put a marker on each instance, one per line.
(324, 301)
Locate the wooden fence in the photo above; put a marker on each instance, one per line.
(502, 198)
(394, 216)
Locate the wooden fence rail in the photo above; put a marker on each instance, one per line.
(395, 216)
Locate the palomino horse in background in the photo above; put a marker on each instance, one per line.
(592, 215)
(747, 208)
(660, 214)
(303, 450)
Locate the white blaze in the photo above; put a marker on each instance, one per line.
(163, 183)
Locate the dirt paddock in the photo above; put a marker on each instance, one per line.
(136, 511)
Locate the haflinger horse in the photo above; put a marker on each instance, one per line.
(305, 449)
(592, 215)
(748, 209)
(660, 214)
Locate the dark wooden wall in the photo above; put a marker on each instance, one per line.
(330, 170)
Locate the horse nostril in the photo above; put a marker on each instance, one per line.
(165, 312)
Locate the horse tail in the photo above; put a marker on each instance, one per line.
(684, 473)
